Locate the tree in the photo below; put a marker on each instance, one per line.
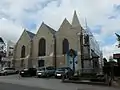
(118, 39)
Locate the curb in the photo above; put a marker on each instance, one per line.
(116, 84)
(85, 82)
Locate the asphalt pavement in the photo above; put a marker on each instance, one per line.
(32, 83)
(8, 86)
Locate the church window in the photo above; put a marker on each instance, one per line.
(42, 47)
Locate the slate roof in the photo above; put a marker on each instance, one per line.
(31, 35)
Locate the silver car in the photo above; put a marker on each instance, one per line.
(6, 71)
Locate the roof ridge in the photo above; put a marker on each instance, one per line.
(31, 34)
(51, 29)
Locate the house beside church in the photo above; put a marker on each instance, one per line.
(51, 48)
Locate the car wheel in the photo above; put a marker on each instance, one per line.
(48, 76)
(56, 77)
(5, 74)
(22, 75)
(39, 76)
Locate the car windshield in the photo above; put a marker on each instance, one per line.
(41, 69)
(62, 69)
(50, 68)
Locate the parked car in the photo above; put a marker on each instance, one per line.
(7, 71)
(46, 71)
(28, 72)
(63, 71)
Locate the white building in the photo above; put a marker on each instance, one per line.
(10, 48)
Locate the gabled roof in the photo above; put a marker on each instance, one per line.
(65, 22)
(31, 35)
(51, 30)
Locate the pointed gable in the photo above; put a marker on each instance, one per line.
(24, 36)
(75, 20)
(65, 24)
(43, 25)
(51, 29)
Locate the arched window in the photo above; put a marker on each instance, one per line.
(23, 51)
(65, 46)
(42, 47)
(22, 55)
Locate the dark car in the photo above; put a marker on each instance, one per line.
(46, 71)
(28, 72)
(63, 70)
(8, 70)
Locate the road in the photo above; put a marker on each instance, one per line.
(50, 84)
(7, 86)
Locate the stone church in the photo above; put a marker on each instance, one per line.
(49, 47)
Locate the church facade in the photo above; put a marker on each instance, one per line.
(49, 47)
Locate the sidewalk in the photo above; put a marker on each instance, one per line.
(53, 84)
(114, 83)
(86, 82)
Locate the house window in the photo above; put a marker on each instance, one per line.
(65, 46)
(42, 47)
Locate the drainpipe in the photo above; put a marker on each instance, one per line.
(30, 57)
(14, 56)
(55, 63)
(81, 47)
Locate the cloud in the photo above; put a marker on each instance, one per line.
(102, 17)
(9, 30)
(109, 50)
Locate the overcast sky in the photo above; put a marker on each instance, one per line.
(103, 18)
